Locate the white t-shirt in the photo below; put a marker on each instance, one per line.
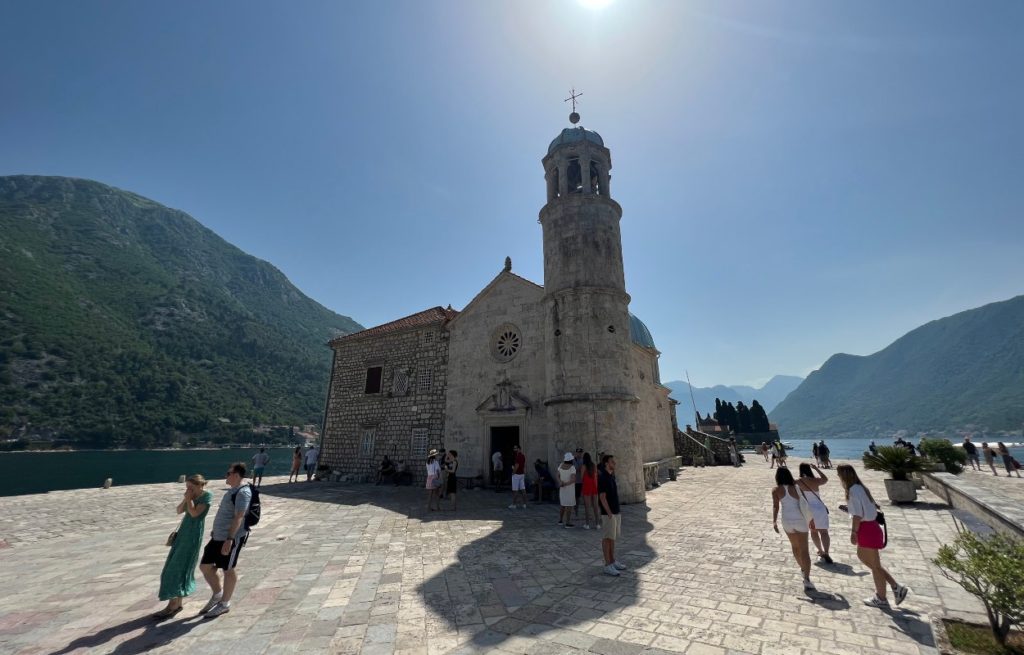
(496, 460)
(860, 505)
(433, 469)
(311, 455)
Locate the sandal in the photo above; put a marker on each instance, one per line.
(167, 613)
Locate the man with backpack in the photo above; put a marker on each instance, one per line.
(239, 510)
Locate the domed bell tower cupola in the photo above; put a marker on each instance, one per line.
(590, 392)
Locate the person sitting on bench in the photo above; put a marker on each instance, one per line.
(545, 481)
(386, 470)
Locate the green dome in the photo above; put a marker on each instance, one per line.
(639, 333)
(575, 135)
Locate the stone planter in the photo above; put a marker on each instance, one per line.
(900, 491)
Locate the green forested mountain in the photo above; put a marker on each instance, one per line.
(961, 371)
(123, 321)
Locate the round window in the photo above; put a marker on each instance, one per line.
(506, 342)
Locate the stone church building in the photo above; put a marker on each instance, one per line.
(551, 367)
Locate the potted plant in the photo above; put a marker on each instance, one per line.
(899, 463)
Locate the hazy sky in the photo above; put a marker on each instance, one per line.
(797, 178)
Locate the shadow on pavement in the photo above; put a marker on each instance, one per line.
(153, 635)
(524, 575)
(825, 600)
(841, 569)
(909, 623)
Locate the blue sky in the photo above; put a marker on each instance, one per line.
(797, 178)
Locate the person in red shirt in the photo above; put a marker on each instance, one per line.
(518, 478)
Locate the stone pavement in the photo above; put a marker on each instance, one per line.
(364, 569)
(1012, 488)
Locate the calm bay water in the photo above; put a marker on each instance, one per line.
(38, 472)
(854, 448)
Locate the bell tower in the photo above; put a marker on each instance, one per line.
(590, 399)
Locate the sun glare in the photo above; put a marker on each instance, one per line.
(595, 4)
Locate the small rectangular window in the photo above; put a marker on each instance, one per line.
(367, 445)
(425, 380)
(419, 444)
(428, 338)
(374, 374)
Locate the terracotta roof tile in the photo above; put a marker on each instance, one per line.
(419, 319)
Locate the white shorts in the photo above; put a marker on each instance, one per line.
(794, 525)
(519, 482)
(820, 518)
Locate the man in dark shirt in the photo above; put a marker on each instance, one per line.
(611, 521)
(972, 454)
(518, 478)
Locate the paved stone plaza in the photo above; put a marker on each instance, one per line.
(364, 569)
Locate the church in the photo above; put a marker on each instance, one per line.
(550, 368)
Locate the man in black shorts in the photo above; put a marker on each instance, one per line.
(226, 541)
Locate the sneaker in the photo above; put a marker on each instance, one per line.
(875, 601)
(512, 506)
(214, 600)
(523, 506)
(827, 558)
(900, 592)
(560, 523)
(611, 570)
(218, 609)
(619, 565)
(586, 526)
(570, 525)
(808, 585)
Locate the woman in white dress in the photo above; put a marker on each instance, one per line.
(786, 500)
(810, 486)
(433, 481)
(566, 490)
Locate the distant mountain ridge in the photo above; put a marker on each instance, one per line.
(123, 321)
(769, 395)
(964, 371)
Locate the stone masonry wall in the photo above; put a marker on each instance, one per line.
(473, 405)
(405, 419)
(654, 413)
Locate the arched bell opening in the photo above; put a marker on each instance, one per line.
(574, 175)
(553, 190)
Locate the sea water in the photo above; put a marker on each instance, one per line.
(41, 471)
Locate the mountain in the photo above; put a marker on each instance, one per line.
(770, 395)
(963, 371)
(123, 321)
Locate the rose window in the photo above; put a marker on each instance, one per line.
(506, 342)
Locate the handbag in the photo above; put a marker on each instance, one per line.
(171, 537)
(880, 520)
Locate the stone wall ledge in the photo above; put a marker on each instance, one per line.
(999, 513)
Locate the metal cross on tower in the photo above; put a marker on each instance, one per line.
(573, 117)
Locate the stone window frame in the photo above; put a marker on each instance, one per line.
(419, 439)
(425, 381)
(400, 384)
(428, 338)
(367, 440)
(370, 365)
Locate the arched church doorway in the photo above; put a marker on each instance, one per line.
(503, 437)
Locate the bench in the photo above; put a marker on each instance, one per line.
(652, 471)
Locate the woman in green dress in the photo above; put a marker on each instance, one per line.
(178, 577)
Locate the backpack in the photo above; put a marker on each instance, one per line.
(252, 515)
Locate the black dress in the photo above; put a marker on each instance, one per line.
(452, 467)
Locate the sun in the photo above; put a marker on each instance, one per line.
(595, 4)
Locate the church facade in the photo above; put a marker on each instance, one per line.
(550, 368)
